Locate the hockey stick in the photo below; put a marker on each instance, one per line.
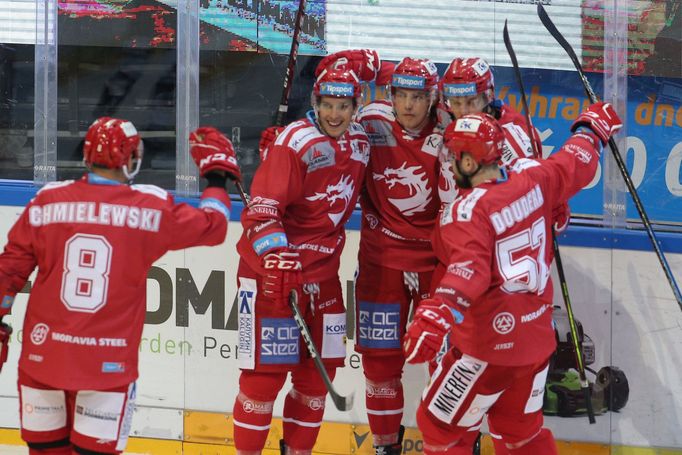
(584, 383)
(289, 75)
(551, 28)
(242, 193)
(342, 403)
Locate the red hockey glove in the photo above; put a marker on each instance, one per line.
(267, 137)
(601, 118)
(385, 74)
(282, 274)
(432, 322)
(5, 332)
(364, 63)
(211, 151)
(561, 215)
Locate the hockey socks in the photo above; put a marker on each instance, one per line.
(302, 419)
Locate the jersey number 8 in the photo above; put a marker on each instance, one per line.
(87, 260)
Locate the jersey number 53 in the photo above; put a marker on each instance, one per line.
(521, 260)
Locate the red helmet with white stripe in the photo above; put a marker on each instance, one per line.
(416, 74)
(337, 82)
(477, 134)
(467, 77)
(110, 142)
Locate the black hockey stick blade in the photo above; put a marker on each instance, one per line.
(556, 34)
(519, 81)
(341, 402)
(585, 385)
(291, 65)
(551, 28)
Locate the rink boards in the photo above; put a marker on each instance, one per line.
(189, 371)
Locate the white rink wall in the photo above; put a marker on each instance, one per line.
(620, 296)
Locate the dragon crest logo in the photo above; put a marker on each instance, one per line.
(342, 190)
(417, 185)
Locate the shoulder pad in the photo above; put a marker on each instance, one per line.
(54, 185)
(522, 164)
(355, 128)
(152, 190)
(297, 135)
(462, 207)
(382, 109)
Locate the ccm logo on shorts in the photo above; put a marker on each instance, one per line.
(279, 341)
(378, 325)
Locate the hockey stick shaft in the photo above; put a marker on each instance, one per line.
(242, 193)
(342, 403)
(551, 28)
(584, 384)
(289, 75)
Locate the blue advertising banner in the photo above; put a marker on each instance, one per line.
(654, 142)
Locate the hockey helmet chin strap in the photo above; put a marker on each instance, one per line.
(131, 175)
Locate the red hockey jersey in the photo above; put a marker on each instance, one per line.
(93, 244)
(302, 196)
(517, 144)
(400, 201)
(496, 242)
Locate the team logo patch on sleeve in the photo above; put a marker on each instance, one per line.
(246, 321)
(379, 325)
(279, 341)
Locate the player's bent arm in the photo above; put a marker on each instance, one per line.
(17, 261)
(277, 182)
(206, 226)
(573, 166)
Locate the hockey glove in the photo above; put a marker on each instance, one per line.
(267, 138)
(385, 74)
(432, 321)
(561, 215)
(283, 272)
(601, 118)
(5, 332)
(212, 151)
(365, 63)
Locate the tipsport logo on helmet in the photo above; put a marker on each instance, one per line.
(408, 81)
(336, 89)
(459, 89)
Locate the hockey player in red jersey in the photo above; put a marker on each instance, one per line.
(400, 204)
(302, 195)
(468, 87)
(495, 300)
(86, 310)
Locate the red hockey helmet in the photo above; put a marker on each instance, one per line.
(110, 142)
(416, 74)
(466, 77)
(477, 134)
(337, 82)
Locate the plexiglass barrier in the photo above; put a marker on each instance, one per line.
(169, 66)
